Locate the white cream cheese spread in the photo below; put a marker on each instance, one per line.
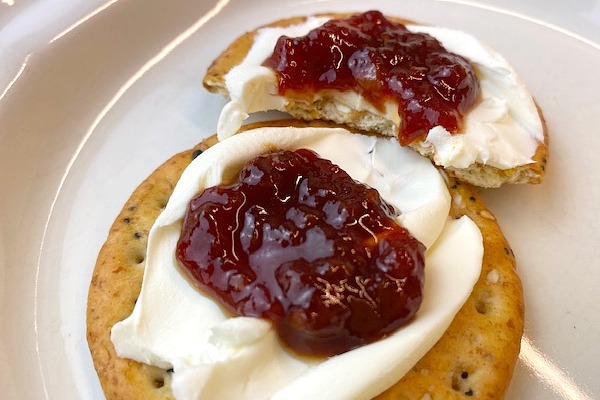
(503, 129)
(217, 356)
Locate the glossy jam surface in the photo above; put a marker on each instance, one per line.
(382, 60)
(298, 241)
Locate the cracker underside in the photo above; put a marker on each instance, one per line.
(475, 357)
(325, 108)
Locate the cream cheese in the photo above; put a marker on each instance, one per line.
(215, 356)
(502, 130)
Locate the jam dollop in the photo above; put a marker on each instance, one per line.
(296, 240)
(381, 60)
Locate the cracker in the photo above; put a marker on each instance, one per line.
(475, 357)
(324, 108)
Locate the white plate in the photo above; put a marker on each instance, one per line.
(97, 109)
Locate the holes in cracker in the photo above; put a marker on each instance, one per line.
(139, 258)
(481, 307)
(157, 378)
(158, 382)
(160, 379)
(483, 303)
(461, 381)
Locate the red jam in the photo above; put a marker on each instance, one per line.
(298, 241)
(382, 60)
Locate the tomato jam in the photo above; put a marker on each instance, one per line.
(382, 60)
(298, 241)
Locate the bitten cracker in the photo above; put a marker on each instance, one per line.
(475, 357)
(323, 107)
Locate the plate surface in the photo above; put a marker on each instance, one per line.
(86, 113)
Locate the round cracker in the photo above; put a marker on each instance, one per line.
(474, 358)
